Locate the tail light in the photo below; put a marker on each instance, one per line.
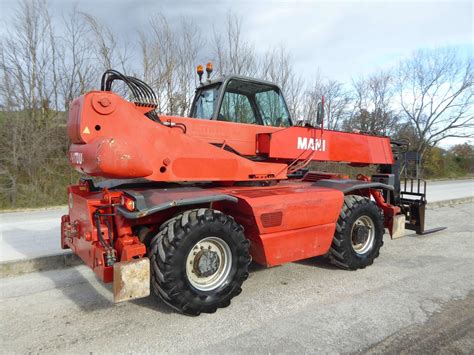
(127, 202)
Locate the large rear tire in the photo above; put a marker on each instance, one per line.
(199, 260)
(359, 234)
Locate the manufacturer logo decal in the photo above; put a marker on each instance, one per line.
(305, 143)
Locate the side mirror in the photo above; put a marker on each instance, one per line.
(320, 112)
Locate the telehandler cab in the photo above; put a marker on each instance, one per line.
(188, 202)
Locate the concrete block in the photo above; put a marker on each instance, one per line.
(131, 279)
(398, 229)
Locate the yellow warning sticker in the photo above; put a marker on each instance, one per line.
(86, 130)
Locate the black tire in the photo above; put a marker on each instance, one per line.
(169, 251)
(342, 252)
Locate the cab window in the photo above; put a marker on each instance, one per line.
(272, 108)
(206, 102)
(236, 107)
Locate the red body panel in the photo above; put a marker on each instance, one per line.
(299, 230)
(326, 145)
(288, 220)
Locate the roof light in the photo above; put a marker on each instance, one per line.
(209, 70)
(200, 71)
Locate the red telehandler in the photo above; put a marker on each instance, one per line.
(185, 203)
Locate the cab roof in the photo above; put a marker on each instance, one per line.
(248, 81)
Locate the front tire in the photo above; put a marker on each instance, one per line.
(199, 260)
(359, 234)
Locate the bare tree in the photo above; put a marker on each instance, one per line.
(337, 99)
(32, 137)
(234, 54)
(168, 59)
(435, 91)
(373, 97)
(27, 69)
(109, 51)
(77, 71)
(276, 66)
(27, 90)
(190, 44)
(165, 62)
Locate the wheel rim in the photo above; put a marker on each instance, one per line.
(208, 264)
(363, 235)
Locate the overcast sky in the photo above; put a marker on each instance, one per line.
(343, 39)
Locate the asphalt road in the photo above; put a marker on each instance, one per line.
(417, 297)
(31, 234)
(445, 190)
